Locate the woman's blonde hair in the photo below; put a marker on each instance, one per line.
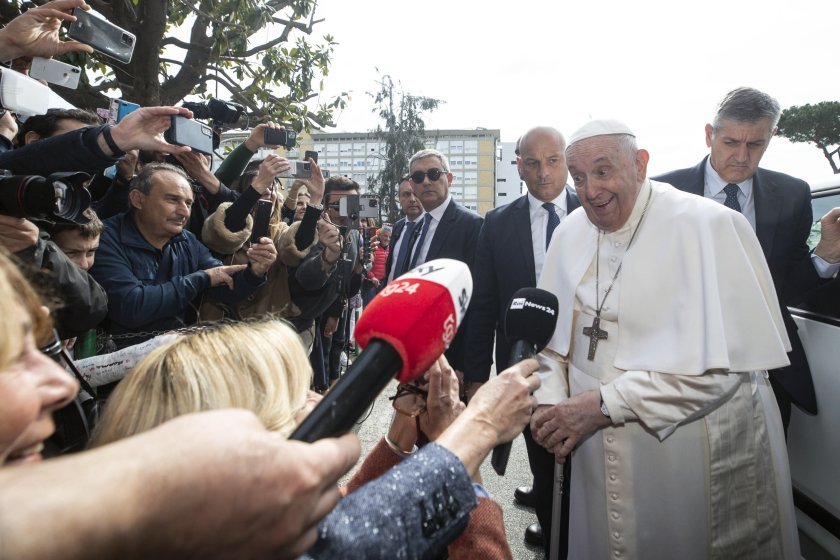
(260, 366)
(14, 289)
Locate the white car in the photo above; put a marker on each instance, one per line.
(814, 441)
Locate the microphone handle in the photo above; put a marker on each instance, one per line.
(521, 350)
(345, 403)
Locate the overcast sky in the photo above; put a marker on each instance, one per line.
(661, 66)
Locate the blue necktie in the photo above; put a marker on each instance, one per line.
(731, 201)
(553, 221)
(419, 245)
(405, 248)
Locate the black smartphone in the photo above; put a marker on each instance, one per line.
(280, 137)
(310, 154)
(102, 35)
(261, 219)
(187, 132)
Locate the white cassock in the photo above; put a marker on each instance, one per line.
(695, 464)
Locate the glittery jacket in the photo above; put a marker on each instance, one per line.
(415, 510)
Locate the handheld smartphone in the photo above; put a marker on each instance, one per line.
(310, 154)
(299, 170)
(187, 132)
(261, 219)
(22, 94)
(120, 108)
(280, 137)
(55, 72)
(107, 38)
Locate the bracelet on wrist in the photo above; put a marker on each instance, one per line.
(109, 140)
(399, 451)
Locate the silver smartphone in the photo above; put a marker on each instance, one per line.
(102, 35)
(55, 72)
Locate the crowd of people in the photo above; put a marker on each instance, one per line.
(160, 347)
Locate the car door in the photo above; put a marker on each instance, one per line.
(814, 440)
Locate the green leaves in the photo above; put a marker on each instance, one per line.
(818, 124)
(258, 52)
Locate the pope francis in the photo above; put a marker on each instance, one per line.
(656, 373)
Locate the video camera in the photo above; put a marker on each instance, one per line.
(60, 197)
(220, 112)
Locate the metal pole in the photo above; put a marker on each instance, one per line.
(557, 510)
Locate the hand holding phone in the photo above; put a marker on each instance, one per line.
(107, 38)
(187, 132)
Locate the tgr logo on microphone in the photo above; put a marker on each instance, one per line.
(521, 303)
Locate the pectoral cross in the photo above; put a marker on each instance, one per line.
(595, 334)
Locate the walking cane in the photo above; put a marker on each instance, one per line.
(557, 510)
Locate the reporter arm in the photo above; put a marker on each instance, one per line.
(142, 500)
(421, 504)
(77, 150)
(236, 215)
(234, 164)
(306, 231)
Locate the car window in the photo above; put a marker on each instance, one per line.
(824, 302)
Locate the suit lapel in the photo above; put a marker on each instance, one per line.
(447, 221)
(522, 232)
(768, 205)
(697, 183)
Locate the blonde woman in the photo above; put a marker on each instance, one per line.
(259, 366)
(32, 386)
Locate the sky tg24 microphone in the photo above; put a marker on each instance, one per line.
(403, 330)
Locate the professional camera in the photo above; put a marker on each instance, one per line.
(220, 112)
(61, 197)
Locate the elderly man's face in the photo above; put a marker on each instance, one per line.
(408, 202)
(431, 193)
(607, 178)
(737, 147)
(542, 165)
(165, 211)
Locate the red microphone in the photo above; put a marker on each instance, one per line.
(403, 330)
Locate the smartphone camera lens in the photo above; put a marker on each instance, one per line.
(127, 39)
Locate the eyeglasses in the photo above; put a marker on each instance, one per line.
(433, 175)
(410, 400)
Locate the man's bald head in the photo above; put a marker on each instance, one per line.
(541, 161)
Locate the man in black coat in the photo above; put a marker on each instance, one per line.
(510, 255)
(447, 231)
(778, 207)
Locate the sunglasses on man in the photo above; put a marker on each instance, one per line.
(433, 174)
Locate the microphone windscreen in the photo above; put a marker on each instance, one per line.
(531, 316)
(418, 313)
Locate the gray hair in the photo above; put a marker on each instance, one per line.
(747, 105)
(428, 152)
(143, 181)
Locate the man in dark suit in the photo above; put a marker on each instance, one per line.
(510, 255)
(401, 245)
(778, 207)
(448, 229)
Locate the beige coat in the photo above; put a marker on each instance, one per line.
(274, 297)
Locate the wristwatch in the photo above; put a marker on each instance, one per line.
(318, 207)
(604, 410)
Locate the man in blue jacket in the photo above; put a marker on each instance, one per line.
(152, 269)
